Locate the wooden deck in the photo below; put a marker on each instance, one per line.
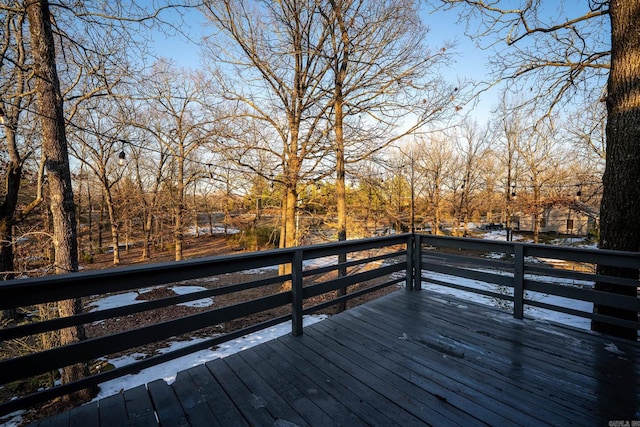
(405, 359)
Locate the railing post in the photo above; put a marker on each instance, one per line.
(518, 281)
(296, 293)
(417, 263)
(410, 252)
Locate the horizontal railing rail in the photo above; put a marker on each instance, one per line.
(308, 272)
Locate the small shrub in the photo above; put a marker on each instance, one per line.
(261, 237)
(267, 236)
(87, 258)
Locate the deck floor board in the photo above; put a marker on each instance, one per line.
(409, 358)
(444, 388)
(226, 412)
(467, 379)
(140, 410)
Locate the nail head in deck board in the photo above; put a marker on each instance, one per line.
(112, 410)
(194, 405)
(221, 405)
(166, 404)
(139, 407)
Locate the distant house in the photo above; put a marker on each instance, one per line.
(574, 218)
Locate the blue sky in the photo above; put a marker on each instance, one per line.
(470, 61)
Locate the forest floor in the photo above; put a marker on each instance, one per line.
(194, 247)
(200, 247)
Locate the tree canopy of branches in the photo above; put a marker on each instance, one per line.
(335, 82)
(274, 48)
(572, 54)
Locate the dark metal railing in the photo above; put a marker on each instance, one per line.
(381, 262)
(522, 273)
(510, 274)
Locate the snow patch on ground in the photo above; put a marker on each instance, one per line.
(114, 301)
(129, 298)
(191, 231)
(168, 370)
(183, 290)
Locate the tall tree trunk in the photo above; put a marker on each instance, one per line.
(291, 239)
(7, 213)
(619, 225)
(148, 226)
(291, 187)
(340, 72)
(101, 222)
(178, 236)
(536, 215)
(283, 268)
(179, 210)
(90, 219)
(283, 224)
(115, 229)
(9, 120)
(289, 234)
(341, 195)
(54, 145)
(195, 210)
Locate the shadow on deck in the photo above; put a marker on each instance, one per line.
(410, 358)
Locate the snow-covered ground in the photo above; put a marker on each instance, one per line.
(529, 311)
(532, 312)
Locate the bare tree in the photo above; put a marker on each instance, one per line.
(538, 150)
(274, 49)
(54, 146)
(149, 172)
(575, 56)
(174, 116)
(552, 45)
(471, 148)
(383, 74)
(99, 151)
(586, 128)
(62, 49)
(511, 126)
(17, 95)
(434, 163)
